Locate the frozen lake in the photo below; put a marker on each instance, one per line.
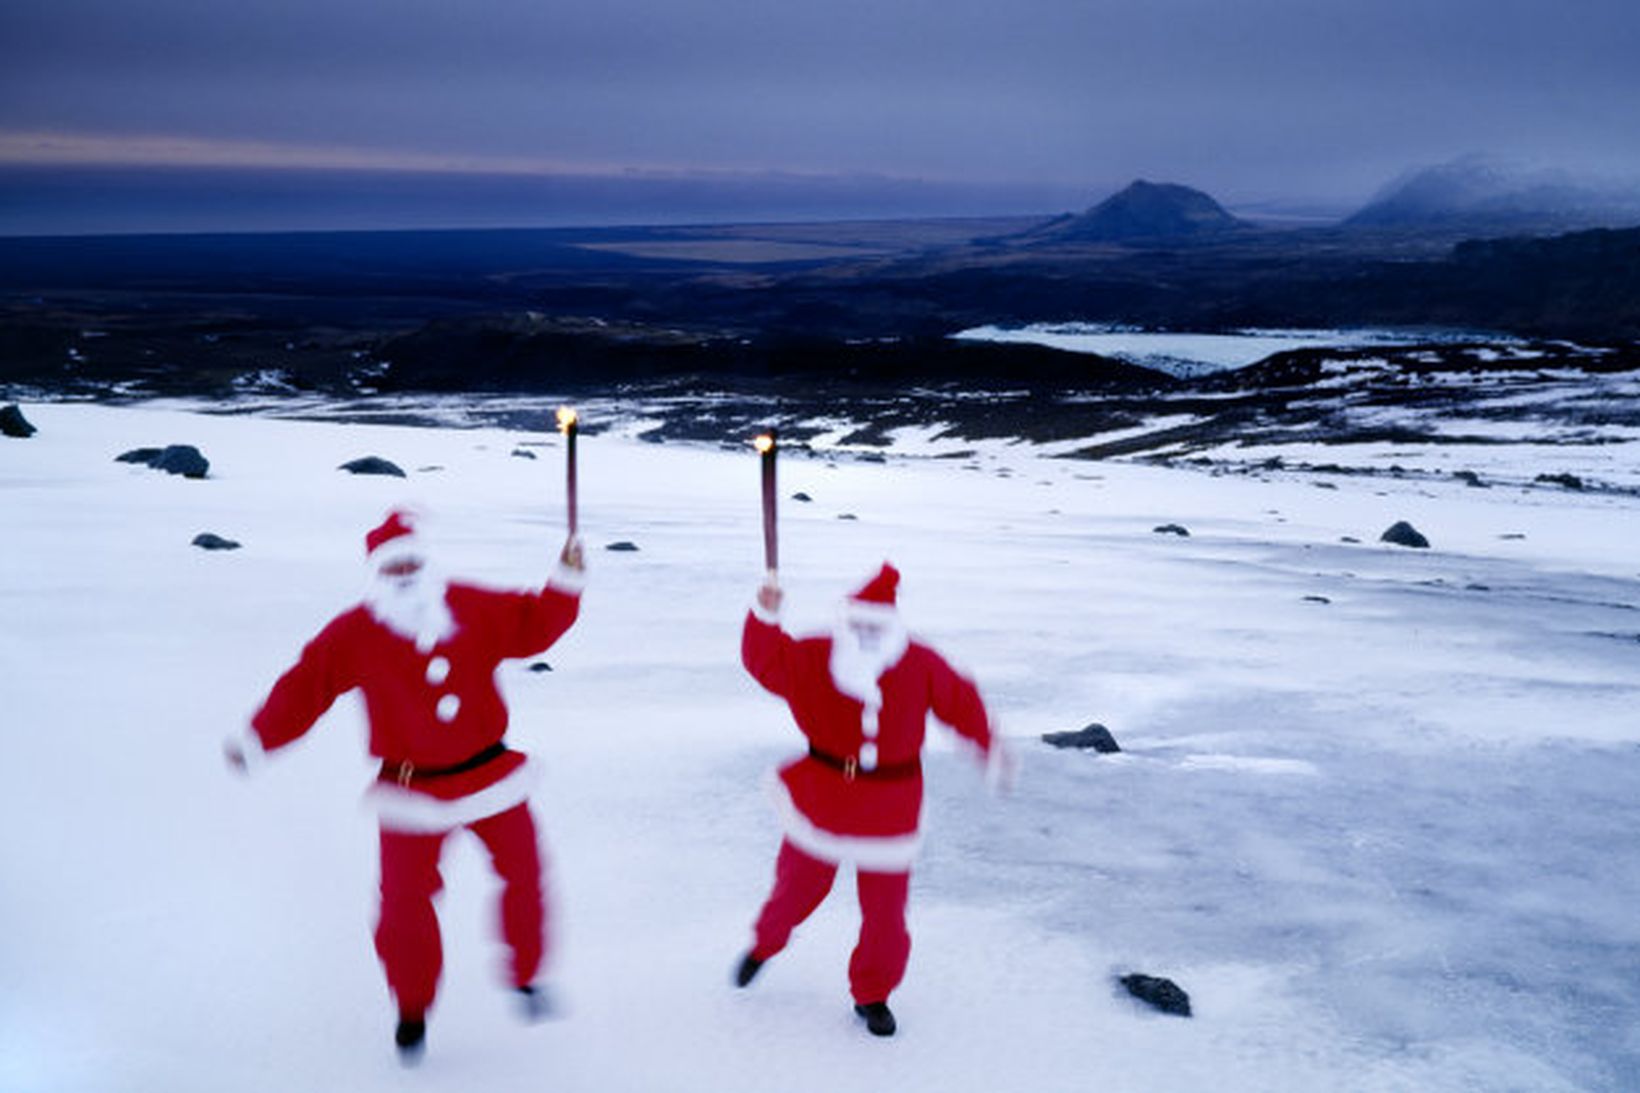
(1187, 354)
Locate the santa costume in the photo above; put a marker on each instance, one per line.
(861, 695)
(424, 653)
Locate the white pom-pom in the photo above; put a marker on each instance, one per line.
(438, 670)
(448, 707)
(868, 756)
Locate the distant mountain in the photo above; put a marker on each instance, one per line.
(1486, 198)
(1143, 211)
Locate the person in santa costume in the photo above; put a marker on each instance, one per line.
(424, 653)
(861, 695)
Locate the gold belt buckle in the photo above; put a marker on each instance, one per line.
(407, 770)
(851, 767)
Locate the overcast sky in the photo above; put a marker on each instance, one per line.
(1321, 100)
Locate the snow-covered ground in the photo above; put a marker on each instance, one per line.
(1377, 812)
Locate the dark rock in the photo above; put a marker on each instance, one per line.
(1164, 994)
(209, 540)
(1325, 485)
(847, 516)
(1512, 535)
(1470, 478)
(183, 459)
(1316, 599)
(1477, 587)
(372, 464)
(801, 496)
(145, 456)
(872, 457)
(623, 545)
(1172, 529)
(1570, 481)
(430, 468)
(13, 423)
(1404, 534)
(1094, 736)
(1348, 539)
(540, 666)
(520, 453)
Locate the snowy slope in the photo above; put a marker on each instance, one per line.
(1385, 841)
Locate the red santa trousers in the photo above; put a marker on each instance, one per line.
(801, 882)
(407, 934)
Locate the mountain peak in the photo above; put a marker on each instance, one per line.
(1145, 210)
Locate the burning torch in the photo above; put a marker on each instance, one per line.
(567, 422)
(767, 448)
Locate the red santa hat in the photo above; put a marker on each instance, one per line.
(393, 540)
(874, 601)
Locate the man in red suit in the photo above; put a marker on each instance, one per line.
(424, 653)
(861, 695)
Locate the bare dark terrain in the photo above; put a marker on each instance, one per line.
(786, 320)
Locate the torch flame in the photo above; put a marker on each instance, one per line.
(764, 443)
(566, 418)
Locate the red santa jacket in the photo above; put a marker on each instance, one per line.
(427, 710)
(830, 808)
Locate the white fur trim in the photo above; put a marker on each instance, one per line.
(873, 853)
(1001, 766)
(883, 614)
(250, 746)
(401, 809)
(567, 579)
(400, 548)
(772, 618)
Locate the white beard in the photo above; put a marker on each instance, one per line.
(412, 607)
(856, 667)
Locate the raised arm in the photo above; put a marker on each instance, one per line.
(766, 649)
(539, 619)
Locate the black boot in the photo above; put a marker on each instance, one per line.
(749, 966)
(411, 1039)
(535, 1003)
(879, 1018)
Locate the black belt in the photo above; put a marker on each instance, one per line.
(403, 771)
(852, 769)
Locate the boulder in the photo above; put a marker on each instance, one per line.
(1163, 994)
(540, 666)
(1570, 481)
(801, 496)
(1172, 529)
(622, 546)
(372, 464)
(14, 424)
(210, 540)
(145, 456)
(183, 459)
(1094, 736)
(520, 453)
(1404, 534)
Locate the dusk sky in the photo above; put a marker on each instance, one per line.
(1305, 102)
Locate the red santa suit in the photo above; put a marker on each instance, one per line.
(857, 795)
(425, 663)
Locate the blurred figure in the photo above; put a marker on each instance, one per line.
(861, 695)
(424, 653)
